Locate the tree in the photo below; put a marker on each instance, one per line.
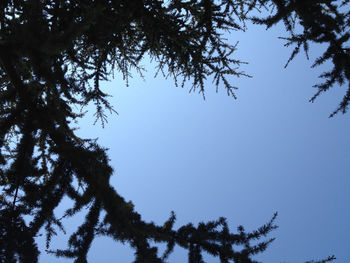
(53, 55)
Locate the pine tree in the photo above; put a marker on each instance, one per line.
(322, 22)
(53, 55)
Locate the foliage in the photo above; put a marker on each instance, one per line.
(322, 22)
(53, 55)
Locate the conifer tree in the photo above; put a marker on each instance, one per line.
(323, 22)
(53, 55)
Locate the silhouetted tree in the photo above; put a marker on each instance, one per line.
(53, 56)
(323, 22)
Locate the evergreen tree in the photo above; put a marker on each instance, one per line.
(53, 55)
(323, 22)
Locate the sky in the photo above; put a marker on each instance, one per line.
(271, 150)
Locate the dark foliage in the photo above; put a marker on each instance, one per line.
(53, 54)
(323, 22)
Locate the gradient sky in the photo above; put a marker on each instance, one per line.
(269, 150)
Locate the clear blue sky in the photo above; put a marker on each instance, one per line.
(269, 150)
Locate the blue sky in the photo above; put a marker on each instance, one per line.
(269, 150)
